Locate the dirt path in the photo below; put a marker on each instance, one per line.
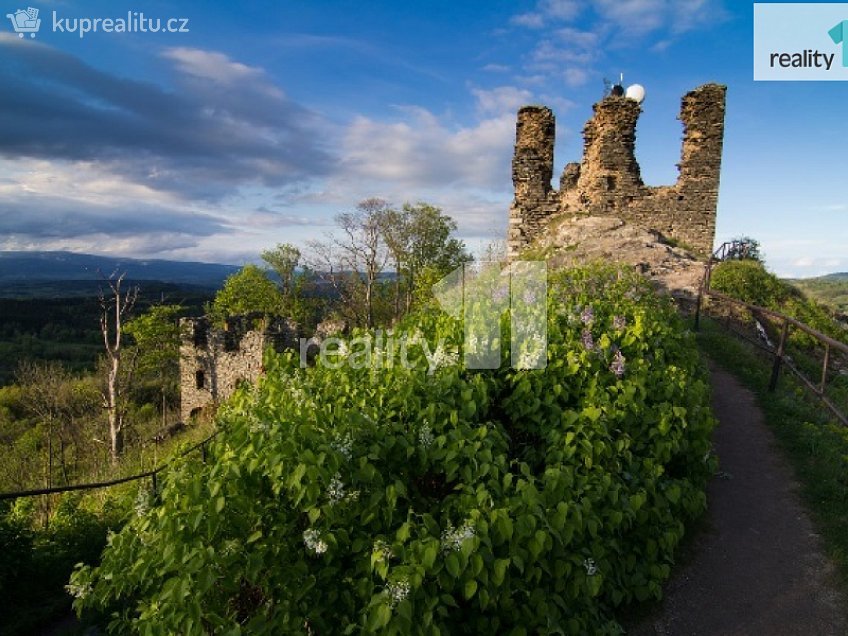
(758, 566)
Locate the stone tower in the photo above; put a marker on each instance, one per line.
(608, 180)
(532, 171)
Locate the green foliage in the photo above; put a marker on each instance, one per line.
(156, 334)
(745, 248)
(247, 291)
(410, 499)
(283, 259)
(748, 280)
(36, 563)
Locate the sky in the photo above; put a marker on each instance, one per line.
(267, 119)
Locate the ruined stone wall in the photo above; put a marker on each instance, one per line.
(214, 362)
(532, 170)
(608, 181)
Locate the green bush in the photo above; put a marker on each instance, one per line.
(390, 500)
(749, 281)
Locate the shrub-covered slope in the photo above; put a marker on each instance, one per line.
(388, 499)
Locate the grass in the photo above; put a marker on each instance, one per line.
(815, 444)
(41, 601)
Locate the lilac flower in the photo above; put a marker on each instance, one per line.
(588, 341)
(397, 591)
(452, 538)
(619, 323)
(587, 316)
(529, 297)
(312, 540)
(617, 366)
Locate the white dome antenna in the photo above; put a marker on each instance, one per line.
(636, 92)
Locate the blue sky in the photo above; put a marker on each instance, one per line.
(268, 118)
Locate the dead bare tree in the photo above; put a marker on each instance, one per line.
(353, 261)
(114, 310)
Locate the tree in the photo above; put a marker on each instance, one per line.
(114, 311)
(422, 241)
(157, 339)
(744, 248)
(353, 261)
(284, 260)
(247, 291)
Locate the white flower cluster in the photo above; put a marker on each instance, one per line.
(452, 538)
(301, 398)
(79, 591)
(397, 591)
(336, 491)
(591, 568)
(312, 540)
(343, 446)
(342, 351)
(425, 436)
(534, 352)
(443, 358)
(258, 426)
(143, 501)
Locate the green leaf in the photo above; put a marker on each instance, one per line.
(452, 565)
(430, 554)
(254, 537)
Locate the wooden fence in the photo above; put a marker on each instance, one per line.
(786, 324)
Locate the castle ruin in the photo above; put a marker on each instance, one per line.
(607, 182)
(214, 361)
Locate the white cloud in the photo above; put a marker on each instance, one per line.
(500, 100)
(419, 151)
(575, 76)
(529, 20)
(211, 65)
(548, 11)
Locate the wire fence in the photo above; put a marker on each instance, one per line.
(803, 361)
(151, 474)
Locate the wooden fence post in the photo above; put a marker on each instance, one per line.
(778, 358)
(824, 368)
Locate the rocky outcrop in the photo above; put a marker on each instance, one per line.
(573, 240)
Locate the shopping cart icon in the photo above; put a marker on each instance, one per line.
(25, 21)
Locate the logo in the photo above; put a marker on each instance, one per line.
(837, 34)
(478, 295)
(24, 22)
(800, 41)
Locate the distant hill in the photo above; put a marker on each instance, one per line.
(832, 290)
(24, 274)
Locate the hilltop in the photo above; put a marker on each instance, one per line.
(831, 290)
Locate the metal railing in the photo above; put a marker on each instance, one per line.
(736, 249)
(201, 445)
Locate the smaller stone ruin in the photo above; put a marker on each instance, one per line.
(215, 361)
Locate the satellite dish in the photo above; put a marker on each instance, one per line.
(636, 92)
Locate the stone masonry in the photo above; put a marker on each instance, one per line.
(214, 361)
(608, 181)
